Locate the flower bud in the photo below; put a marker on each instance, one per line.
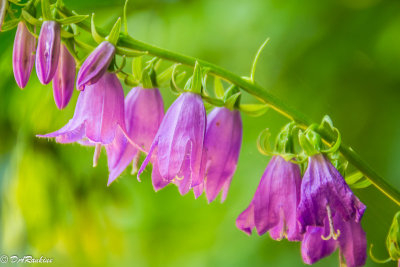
(64, 78)
(23, 55)
(3, 9)
(393, 238)
(95, 65)
(48, 51)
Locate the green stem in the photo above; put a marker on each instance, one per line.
(263, 95)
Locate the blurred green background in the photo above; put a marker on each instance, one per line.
(336, 57)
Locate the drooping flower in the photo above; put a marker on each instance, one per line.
(3, 10)
(351, 241)
(98, 114)
(273, 207)
(177, 149)
(48, 51)
(221, 147)
(23, 54)
(324, 193)
(64, 78)
(144, 111)
(95, 65)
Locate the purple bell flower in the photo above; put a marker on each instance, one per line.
(48, 51)
(23, 55)
(324, 193)
(98, 114)
(222, 146)
(144, 111)
(273, 207)
(64, 78)
(177, 149)
(3, 10)
(351, 241)
(95, 65)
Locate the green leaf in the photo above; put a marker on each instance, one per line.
(31, 19)
(120, 50)
(254, 109)
(114, 33)
(137, 68)
(46, 12)
(263, 142)
(66, 34)
(218, 88)
(232, 100)
(96, 36)
(361, 184)
(253, 67)
(196, 80)
(354, 178)
(9, 25)
(72, 19)
(213, 101)
(164, 77)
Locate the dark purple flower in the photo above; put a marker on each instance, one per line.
(177, 149)
(351, 241)
(323, 193)
(48, 51)
(3, 10)
(95, 65)
(23, 54)
(273, 207)
(64, 78)
(144, 111)
(222, 146)
(98, 114)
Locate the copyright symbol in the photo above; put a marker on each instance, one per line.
(4, 259)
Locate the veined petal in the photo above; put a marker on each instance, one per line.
(245, 220)
(48, 51)
(157, 181)
(222, 145)
(23, 54)
(184, 123)
(64, 78)
(324, 186)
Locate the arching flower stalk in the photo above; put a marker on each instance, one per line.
(144, 111)
(23, 55)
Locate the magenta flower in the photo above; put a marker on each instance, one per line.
(222, 146)
(95, 65)
(48, 51)
(98, 114)
(324, 193)
(64, 78)
(273, 207)
(351, 241)
(144, 111)
(177, 149)
(23, 54)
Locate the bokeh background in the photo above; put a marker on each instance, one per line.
(336, 57)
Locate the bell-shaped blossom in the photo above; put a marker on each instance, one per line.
(144, 111)
(48, 51)
(221, 147)
(98, 114)
(23, 54)
(95, 65)
(351, 241)
(3, 10)
(324, 193)
(64, 78)
(177, 149)
(273, 207)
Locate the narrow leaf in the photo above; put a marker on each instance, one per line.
(218, 88)
(72, 19)
(254, 109)
(137, 68)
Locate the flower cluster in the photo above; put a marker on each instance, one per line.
(188, 148)
(318, 209)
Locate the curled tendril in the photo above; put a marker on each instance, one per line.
(120, 68)
(263, 144)
(174, 87)
(375, 259)
(336, 145)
